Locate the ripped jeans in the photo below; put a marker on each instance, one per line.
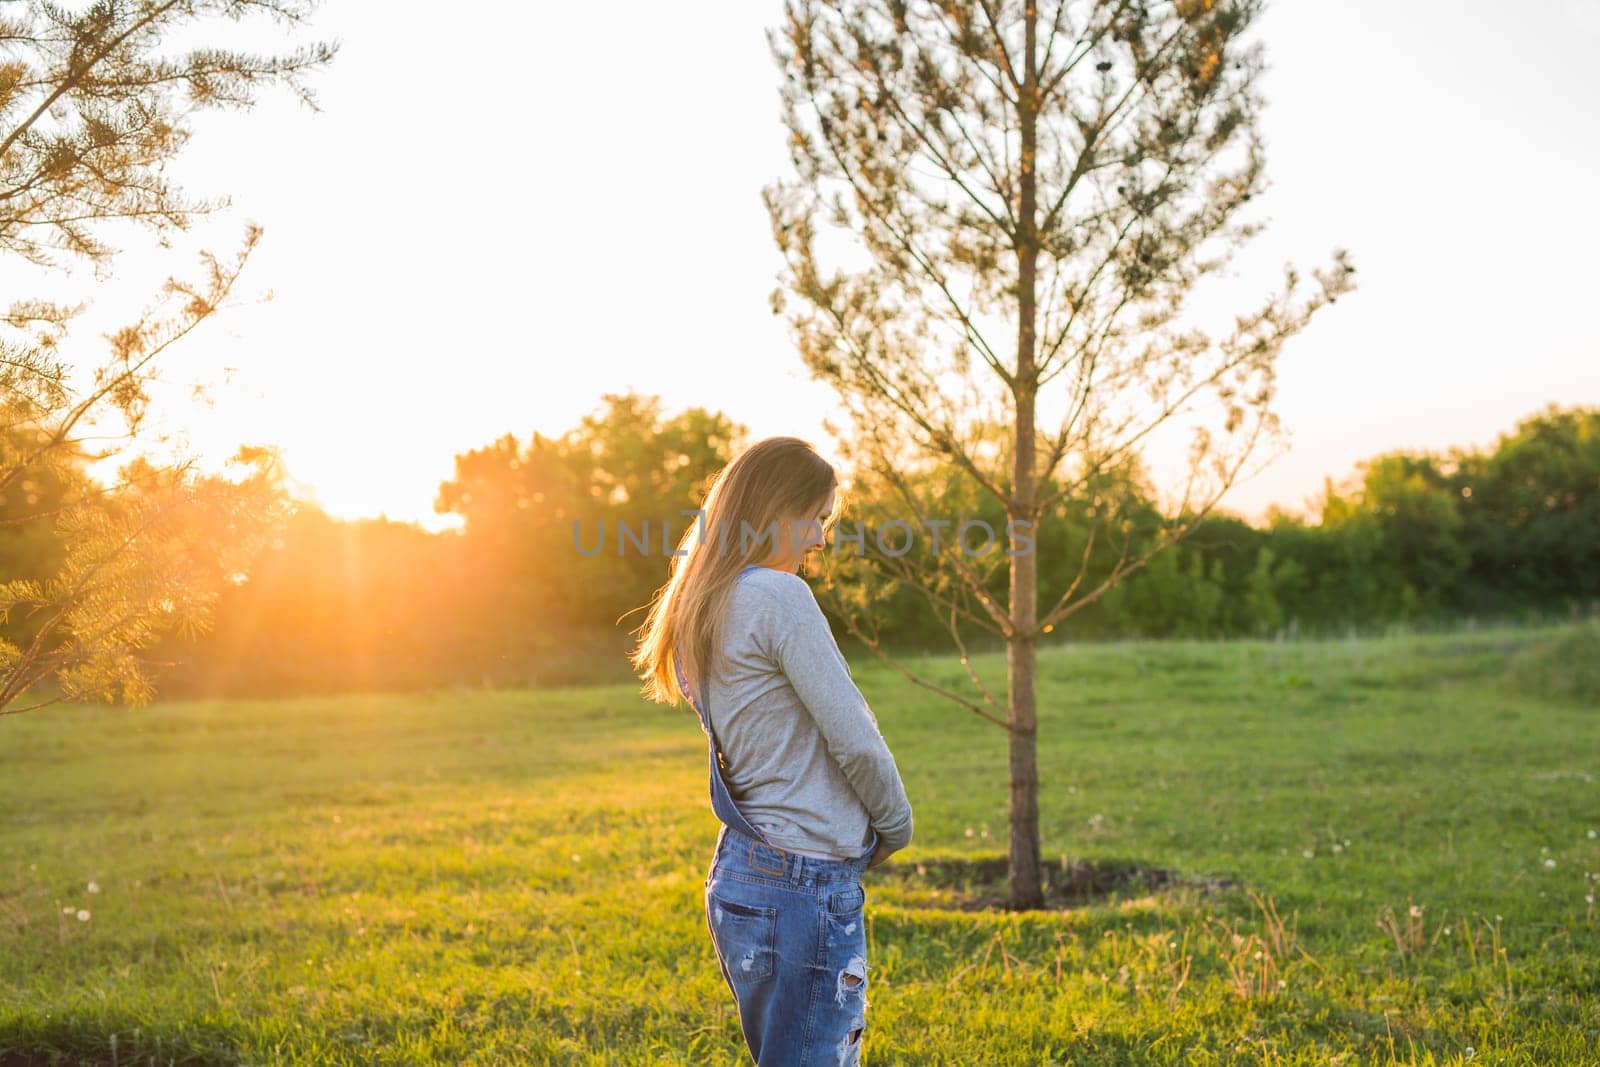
(791, 941)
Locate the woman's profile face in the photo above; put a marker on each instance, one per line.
(799, 536)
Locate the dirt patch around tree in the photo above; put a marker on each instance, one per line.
(980, 883)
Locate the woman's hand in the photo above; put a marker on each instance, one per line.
(879, 854)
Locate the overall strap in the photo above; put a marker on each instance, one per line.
(722, 803)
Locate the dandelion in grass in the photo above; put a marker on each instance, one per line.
(1308, 854)
(83, 915)
(1416, 911)
(1549, 863)
(94, 887)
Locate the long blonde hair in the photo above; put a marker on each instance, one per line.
(774, 482)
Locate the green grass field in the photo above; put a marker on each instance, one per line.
(1408, 825)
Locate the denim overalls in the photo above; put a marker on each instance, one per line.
(789, 934)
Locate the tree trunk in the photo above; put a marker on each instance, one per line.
(1023, 862)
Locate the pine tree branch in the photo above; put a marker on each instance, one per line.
(197, 310)
(1099, 128)
(1000, 52)
(73, 76)
(941, 439)
(1000, 618)
(31, 707)
(1062, 609)
(909, 247)
(875, 646)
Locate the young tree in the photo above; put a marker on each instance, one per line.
(91, 110)
(1059, 175)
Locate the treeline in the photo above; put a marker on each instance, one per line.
(517, 597)
(1510, 532)
(504, 601)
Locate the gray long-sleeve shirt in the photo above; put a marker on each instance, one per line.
(806, 762)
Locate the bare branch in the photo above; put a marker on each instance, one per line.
(875, 646)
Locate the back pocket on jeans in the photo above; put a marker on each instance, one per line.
(745, 935)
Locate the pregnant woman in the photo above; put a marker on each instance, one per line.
(802, 781)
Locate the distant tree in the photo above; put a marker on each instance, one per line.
(1349, 588)
(644, 469)
(1176, 595)
(1261, 613)
(626, 462)
(1419, 552)
(1059, 175)
(91, 111)
(1530, 509)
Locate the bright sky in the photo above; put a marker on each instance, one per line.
(492, 223)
